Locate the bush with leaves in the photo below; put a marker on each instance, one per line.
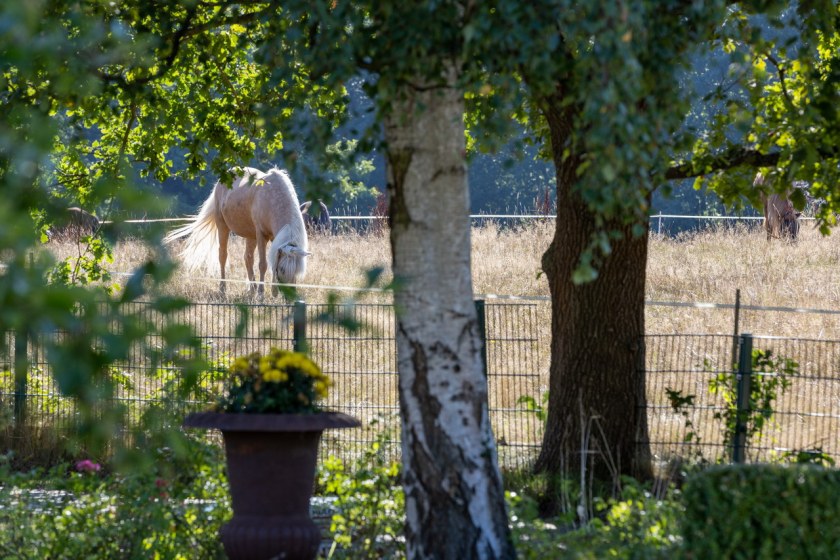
(770, 379)
(369, 504)
(640, 523)
(171, 509)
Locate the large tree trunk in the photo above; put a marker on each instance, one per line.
(597, 387)
(455, 505)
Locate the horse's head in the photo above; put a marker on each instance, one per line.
(290, 264)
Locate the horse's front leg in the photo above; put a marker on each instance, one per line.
(261, 241)
(224, 237)
(250, 245)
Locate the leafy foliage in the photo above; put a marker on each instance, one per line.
(70, 512)
(539, 409)
(762, 511)
(638, 524)
(370, 505)
(768, 381)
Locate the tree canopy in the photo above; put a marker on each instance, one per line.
(90, 89)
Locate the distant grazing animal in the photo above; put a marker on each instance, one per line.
(320, 223)
(780, 219)
(260, 207)
(812, 204)
(72, 225)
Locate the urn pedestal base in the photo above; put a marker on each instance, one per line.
(246, 538)
(271, 469)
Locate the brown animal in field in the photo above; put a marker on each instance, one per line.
(74, 224)
(780, 218)
(316, 224)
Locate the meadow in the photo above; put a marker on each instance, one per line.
(700, 266)
(707, 265)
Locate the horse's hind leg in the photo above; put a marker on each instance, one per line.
(250, 245)
(224, 238)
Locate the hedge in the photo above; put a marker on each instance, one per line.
(763, 511)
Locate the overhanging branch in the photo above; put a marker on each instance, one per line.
(728, 160)
(168, 62)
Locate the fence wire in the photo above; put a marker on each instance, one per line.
(806, 413)
(795, 407)
(361, 363)
(686, 364)
(688, 402)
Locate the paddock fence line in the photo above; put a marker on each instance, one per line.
(806, 412)
(361, 364)
(761, 399)
(366, 224)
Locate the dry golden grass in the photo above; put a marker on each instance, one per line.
(704, 266)
(709, 266)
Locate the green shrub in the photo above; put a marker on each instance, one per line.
(170, 511)
(369, 504)
(762, 511)
(639, 524)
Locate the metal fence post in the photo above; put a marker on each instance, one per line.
(735, 337)
(742, 400)
(21, 374)
(482, 332)
(299, 326)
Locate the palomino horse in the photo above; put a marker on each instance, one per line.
(260, 207)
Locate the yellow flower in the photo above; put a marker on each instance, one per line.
(240, 364)
(273, 375)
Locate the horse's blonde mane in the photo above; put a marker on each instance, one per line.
(292, 234)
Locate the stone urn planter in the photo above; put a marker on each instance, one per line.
(271, 468)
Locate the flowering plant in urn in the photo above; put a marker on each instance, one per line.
(280, 382)
(271, 423)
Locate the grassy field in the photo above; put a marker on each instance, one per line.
(702, 266)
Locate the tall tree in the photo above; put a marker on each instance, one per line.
(454, 497)
(610, 100)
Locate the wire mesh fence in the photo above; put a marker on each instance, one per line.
(683, 366)
(692, 380)
(806, 410)
(361, 363)
(783, 401)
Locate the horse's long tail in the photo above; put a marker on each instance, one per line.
(202, 232)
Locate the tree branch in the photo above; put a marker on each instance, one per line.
(781, 72)
(727, 160)
(215, 23)
(168, 62)
(131, 120)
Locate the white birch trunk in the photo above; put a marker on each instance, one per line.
(455, 505)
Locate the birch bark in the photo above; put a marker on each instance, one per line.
(455, 505)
